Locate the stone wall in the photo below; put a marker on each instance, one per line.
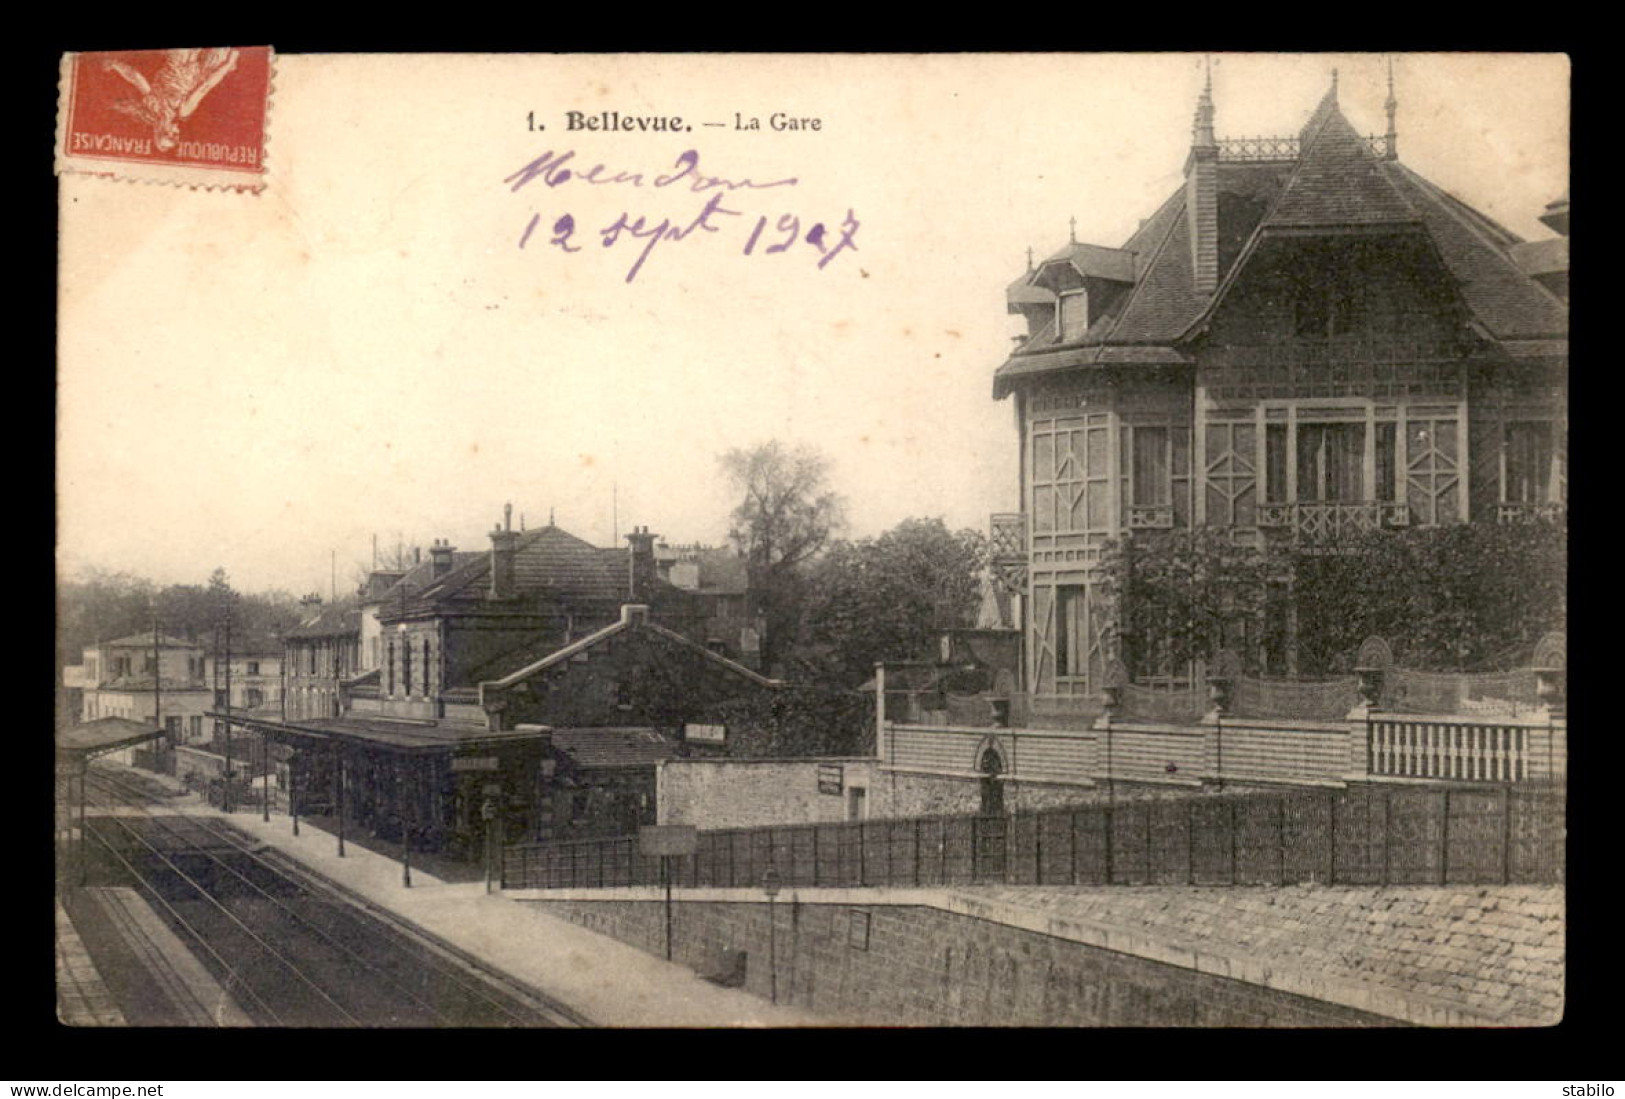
(747, 793)
(914, 964)
(908, 794)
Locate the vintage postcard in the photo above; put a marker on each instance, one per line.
(788, 541)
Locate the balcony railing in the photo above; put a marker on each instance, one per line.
(1325, 524)
(1284, 147)
(1151, 517)
(1531, 513)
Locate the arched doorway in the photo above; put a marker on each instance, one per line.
(991, 767)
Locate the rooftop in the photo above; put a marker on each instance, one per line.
(1328, 178)
(614, 747)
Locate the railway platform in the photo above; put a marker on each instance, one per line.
(604, 981)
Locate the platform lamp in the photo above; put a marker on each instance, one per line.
(770, 886)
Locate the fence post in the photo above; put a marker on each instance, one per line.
(1150, 820)
(1506, 835)
(1038, 849)
(1280, 834)
(1109, 866)
(1072, 847)
(1387, 817)
(1190, 841)
(1444, 841)
(918, 824)
(975, 835)
(1331, 814)
(1235, 864)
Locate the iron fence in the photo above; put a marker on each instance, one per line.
(1357, 836)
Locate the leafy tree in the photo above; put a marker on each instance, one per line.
(886, 598)
(1460, 597)
(1182, 595)
(801, 720)
(1465, 596)
(785, 516)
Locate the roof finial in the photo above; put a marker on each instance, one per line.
(1334, 83)
(1073, 222)
(1202, 129)
(507, 516)
(550, 515)
(1391, 106)
(1029, 259)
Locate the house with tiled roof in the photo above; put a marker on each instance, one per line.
(147, 677)
(1306, 339)
(322, 657)
(472, 617)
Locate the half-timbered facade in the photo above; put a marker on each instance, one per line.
(1305, 340)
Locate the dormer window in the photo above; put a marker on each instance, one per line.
(1074, 305)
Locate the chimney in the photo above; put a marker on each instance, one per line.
(440, 557)
(1202, 194)
(642, 578)
(504, 548)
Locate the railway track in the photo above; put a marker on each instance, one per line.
(295, 949)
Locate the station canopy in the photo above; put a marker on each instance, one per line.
(77, 745)
(391, 734)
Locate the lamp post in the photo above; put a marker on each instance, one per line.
(770, 886)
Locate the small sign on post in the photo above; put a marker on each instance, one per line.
(830, 778)
(668, 841)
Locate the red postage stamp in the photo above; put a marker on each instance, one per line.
(194, 117)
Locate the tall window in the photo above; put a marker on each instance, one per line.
(1074, 314)
(1070, 647)
(426, 667)
(1275, 458)
(389, 665)
(1387, 473)
(195, 731)
(1330, 457)
(1529, 463)
(406, 665)
(1151, 481)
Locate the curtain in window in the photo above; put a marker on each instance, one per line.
(1529, 463)
(1151, 483)
(1330, 457)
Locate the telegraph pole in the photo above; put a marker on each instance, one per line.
(158, 680)
(225, 795)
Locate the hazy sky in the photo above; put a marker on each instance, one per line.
(260, 381)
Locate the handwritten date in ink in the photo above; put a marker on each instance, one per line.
(765, 235)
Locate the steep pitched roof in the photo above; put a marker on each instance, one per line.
(546, 559)
(630, 620)
(1336, 181)
(334, 620)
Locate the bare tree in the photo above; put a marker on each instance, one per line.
(786, 515)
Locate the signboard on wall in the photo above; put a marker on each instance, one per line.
(829, 778)
(706, 734)
(461, 764)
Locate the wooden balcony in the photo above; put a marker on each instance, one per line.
(1320, 525)
(1007, 536)
(1151, 517)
